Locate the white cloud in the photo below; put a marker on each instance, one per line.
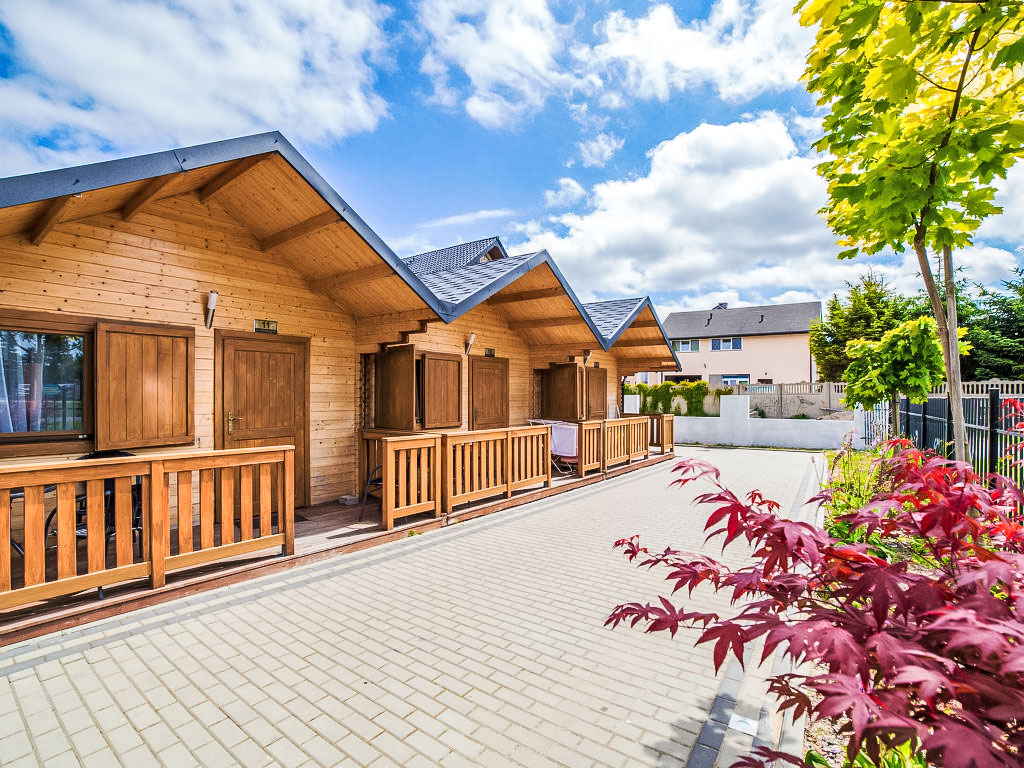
(743, 48)
(94, 77)
(468, 218)
(569, 192)
(722, 208)
(597, 151)
(508, 50)
(1009, 226)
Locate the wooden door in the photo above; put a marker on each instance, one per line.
(597, 393)
(488, 392)
(264, 397)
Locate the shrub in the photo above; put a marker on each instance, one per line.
(799, 416)
(677, 410)
(693, 392)
(928, 658)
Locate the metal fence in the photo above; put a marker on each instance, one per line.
(989, 438)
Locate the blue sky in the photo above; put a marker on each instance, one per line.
(651, 148)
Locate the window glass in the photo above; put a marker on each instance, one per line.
(40, 382)
(716, 345)
(737, 343)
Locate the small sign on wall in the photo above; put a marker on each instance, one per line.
(264, 326)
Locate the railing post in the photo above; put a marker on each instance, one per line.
(435, 475)
(508, 463)
(387, 505)
(158, 523)
(547, 455)
(993, 429)
(447, 471)
(604, 443)
(287, 522)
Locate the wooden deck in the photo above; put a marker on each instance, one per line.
(321, 531)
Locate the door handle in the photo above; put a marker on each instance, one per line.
(231, 421)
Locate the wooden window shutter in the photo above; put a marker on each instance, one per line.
(395, 388)
(442, 390)
(560, 392)
(597, 393)
(145, 386)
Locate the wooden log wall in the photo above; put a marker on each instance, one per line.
(491, 330)
(158, 268)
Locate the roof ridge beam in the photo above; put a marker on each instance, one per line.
(302, 229)
(229, 174)
(148, 193)
(540, 293)
(342, 280)
(52, 216)
(517, 325)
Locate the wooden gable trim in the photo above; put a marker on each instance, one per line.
(639, 343)
(303, 228)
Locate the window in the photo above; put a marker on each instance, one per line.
(726, 343)
(686, 345)
(729, 379)
(45, 383)
(41, 382)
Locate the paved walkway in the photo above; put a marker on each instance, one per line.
(478, 645)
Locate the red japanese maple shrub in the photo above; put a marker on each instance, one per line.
(933, 656)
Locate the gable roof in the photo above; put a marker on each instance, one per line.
(615, 316)
(454, 256)
(743, 321)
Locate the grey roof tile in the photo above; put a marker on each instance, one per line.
(743, 321)
(609, 316)
(456, 285)
(453, 257)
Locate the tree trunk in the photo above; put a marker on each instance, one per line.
(950, 356)
(954, 383)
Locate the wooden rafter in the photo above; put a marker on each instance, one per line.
(228, 175)
(518, 325)
(354, 277)
(644, 324)
(303, 228)
(58, 208)
(147, 194)
(539, 293)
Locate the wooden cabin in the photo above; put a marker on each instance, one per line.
(221, 317)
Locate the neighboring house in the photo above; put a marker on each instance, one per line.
(744, 345)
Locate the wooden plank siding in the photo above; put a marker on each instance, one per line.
(159, 267)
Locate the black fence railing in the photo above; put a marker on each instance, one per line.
(989, 437)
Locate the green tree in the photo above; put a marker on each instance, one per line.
(924, 112)
(871, 308)
(907, 359)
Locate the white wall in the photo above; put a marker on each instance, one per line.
(735, 427)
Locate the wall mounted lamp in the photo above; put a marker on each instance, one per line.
(211, 307)
(469, 342)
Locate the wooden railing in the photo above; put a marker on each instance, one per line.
(492, 462)
(48, 511)
(410, 476)
(662, 431)
(589, 451)
(625, 439)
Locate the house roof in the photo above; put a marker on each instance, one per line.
(610, 316)
(317, 232)
(454, 256)
(743, 321)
